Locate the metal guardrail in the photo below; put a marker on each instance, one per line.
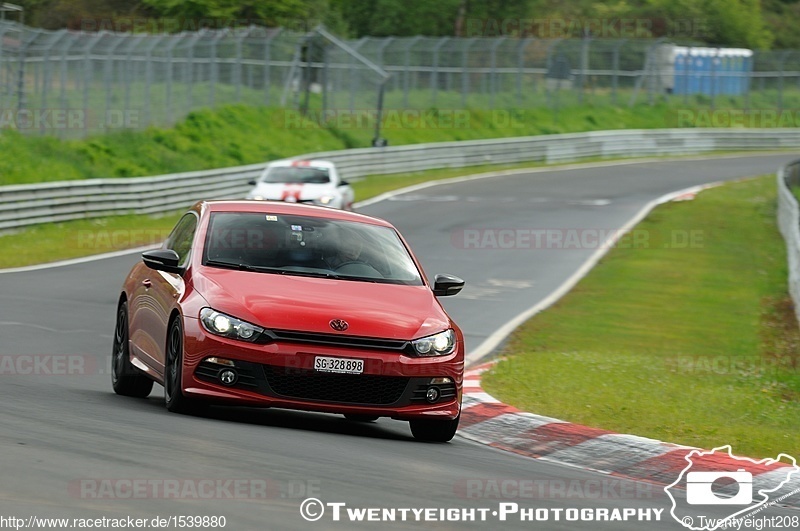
(789, 225)
(23, 205)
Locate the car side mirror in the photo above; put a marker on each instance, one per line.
(165, 260)
(446, 285)
(344, 183)
(251, 182)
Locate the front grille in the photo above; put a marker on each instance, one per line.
(397, 345)
(343, 388)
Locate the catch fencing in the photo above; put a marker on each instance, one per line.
(78, 83)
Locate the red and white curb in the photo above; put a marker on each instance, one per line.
(486, 420)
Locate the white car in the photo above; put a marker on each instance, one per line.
(303, 181)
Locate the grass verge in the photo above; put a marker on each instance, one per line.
(688, 337)
(239, 134)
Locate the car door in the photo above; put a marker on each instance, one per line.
(155, 297)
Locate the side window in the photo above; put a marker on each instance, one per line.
(180, 240)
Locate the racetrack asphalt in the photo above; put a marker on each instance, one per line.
(64, 436)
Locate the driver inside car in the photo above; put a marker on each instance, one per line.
(345, 247)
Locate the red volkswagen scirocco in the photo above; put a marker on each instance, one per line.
(271, 304)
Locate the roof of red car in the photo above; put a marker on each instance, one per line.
(283, 208)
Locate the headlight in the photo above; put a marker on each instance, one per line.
(226, 326)
(256, 197)
(326, 200)
(440, 344)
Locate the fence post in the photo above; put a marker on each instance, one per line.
(24, 43)
(88, 70)
(175, 41)
(148, 76)
(465, 70)
(584, 64)
(63, 75)
(493, 66)
(48, 72)
(134, 42)
(188, 67)
(615, 67)
(548, 65)
(109, 77)
(268, 63)
(381, 47)
(355, 80)
(654, 82)
(782, 66)
(713, 64)
(237, 70)
(406, 78)
(380, 59)
(435, 74)
(521, 66)
(3, 29)
(214, 64)
(325, 74)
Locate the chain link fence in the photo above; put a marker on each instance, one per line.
(73, 84)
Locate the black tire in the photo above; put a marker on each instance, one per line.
(434, 430)
(361, 418)
(125, 379)
(174, 398)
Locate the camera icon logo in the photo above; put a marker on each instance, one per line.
(699, 488)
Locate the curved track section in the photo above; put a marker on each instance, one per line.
(71, 448)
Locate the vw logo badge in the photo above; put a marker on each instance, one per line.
(339, 325)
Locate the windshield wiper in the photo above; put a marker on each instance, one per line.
(226, 265)
(267, 269)
(359, 279)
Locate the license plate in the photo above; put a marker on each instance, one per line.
(342, 365)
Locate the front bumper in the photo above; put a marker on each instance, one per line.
(281, 374)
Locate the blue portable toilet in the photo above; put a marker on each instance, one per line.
(724, 75)
(680, 61)
(701, 70)
(720, 70)
(709, 57)
(747, 68)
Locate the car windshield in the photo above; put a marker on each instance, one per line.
(308, 246)
(296, 174)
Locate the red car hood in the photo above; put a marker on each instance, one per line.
(284, 302)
